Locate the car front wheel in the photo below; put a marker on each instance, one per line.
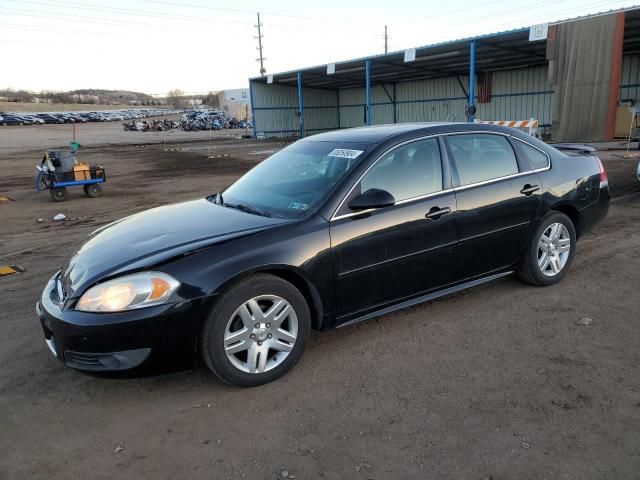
(550, 251)
(256, 332)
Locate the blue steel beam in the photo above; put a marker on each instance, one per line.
(472, 77)
(367, 73)
(300, 109)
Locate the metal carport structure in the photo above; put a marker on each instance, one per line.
(504, 75)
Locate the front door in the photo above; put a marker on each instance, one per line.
(386, 255)
(498, 200)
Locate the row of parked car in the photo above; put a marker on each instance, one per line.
(9, 119)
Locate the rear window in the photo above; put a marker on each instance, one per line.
(481, 157)
(536, 158)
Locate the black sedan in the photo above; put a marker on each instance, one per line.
(48, 118)
(11, 120)
(334, 229)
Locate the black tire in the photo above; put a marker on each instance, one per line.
(58, 194)
(93, 190)
(212, 336)
(529, 270)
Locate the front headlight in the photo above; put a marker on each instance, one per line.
(129, 292)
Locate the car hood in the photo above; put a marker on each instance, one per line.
(153, 236)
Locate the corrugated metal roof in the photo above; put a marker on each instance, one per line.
(494, 51)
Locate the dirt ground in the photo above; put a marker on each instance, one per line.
(496, 382)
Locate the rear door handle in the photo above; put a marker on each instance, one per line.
(436, 212)
(529, 189)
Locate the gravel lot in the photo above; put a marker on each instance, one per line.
(496, 382)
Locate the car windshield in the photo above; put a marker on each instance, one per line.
(296, 180)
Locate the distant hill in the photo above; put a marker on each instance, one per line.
(115, 94)
(91, 96)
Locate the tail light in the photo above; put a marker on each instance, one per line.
(604, 180)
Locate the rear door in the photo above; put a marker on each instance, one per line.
(393, 253)
(498, 196)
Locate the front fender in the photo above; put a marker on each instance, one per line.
(299, 253)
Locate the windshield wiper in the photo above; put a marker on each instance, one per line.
(247, 209)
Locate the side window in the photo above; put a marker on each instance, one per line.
(480, 157)
(409, 171)
(536, 158)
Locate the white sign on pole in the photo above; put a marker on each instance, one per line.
(269, 78)
(409, 54)
(538, 32)
(331, 68)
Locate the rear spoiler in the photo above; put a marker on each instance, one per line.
(574, 148)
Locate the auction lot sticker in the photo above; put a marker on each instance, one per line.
(345, 153)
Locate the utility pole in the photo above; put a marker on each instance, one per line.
(386, 40)
(259, 37)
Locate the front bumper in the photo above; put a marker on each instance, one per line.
(123, 340)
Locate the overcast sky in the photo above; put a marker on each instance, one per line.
(154, 46)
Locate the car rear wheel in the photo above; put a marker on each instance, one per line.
(550, 251)
(256, 332)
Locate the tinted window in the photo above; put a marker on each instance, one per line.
(295, 180)
(480, 157)
(406, 172)
(536, 158)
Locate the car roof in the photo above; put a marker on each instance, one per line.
(381, 133)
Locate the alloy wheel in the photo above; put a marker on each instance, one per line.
(554, 248)
(260, 334)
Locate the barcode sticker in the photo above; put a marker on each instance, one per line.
(345, 153)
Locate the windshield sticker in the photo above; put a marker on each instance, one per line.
(345, 153)
(298, 206)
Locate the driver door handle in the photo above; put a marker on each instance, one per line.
(529, 189)
(436, 212)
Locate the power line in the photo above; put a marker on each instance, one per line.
(72, 4)
(96, 20)
(39, 28)
(458, 10)
(530, 19)
(129, 12)
(236, 10)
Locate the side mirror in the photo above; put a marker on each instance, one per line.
(372, 198)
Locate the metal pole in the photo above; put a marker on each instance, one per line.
(300, 110)
(253, 112)
(472, 78)
(386, 40)
(368, 91)
(338, 106)
(262, 69)
(395, 114)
